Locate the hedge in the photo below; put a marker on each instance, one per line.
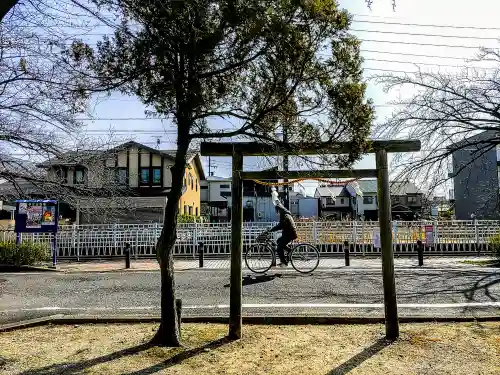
(24, 254)
(494, 243)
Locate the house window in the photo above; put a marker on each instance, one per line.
(144, 176)
(367, 200)
(329, 200)
(395, 198)
(341, 200)
(156, 176)
(190, 208)
(122, 176)
(196, 187)
(151, 176)
(79, 176)
(185, 210)
(62, 176)
(203, 187)
(412, 200)
(196, 210)
(225, 186)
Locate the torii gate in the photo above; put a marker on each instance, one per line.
(238, 150)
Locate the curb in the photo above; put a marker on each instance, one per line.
(255, 320)
(319, 269)
(15, 269)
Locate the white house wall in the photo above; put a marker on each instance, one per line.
(122, 159)
(134, 168)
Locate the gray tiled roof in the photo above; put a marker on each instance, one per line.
(403, 188)
(336, 191)
(367, 186)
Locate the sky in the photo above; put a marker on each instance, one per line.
(432, 35)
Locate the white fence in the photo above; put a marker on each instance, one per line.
(99, 241)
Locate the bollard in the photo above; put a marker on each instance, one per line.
(346, 254)
(127, 255)
(178, 306)
(201, 254)
(420, 253)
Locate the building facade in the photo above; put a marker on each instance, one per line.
(475, 175)
(137, 179)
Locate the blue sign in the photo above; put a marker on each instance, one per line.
(36, 216)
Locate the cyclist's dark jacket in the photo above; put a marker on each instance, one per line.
(286, 223)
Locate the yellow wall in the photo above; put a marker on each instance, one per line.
(192, 195)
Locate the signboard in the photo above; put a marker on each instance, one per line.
(376, 240)
(429, 234)
(36, 216)
(434, 211)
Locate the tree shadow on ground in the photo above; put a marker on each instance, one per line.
(80, 367)
(250, 279)
(178, 358)
(359, 358)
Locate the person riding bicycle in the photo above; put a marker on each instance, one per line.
(288, 231)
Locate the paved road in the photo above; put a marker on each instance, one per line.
(206, 292)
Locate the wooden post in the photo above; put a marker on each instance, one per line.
(235, 298)
(384, 214)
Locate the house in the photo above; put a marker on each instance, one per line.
(475, 173)
(344, 202)
(136, 179)
(334, 202)
(302, 205)
(368, 205)
(406, 200)
(215, 192)
(257, 203)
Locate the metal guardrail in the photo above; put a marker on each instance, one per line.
(97, 241)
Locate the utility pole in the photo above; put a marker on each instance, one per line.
(286, 198)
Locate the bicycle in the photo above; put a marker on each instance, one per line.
(259, 258)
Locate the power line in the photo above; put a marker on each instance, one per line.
(414, 54)
(369, 31)
(425, 34)
(477, 47)
(118, 118)
(424, 44)
(431, 64)
(427, 25)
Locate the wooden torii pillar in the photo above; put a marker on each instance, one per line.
(238, 150)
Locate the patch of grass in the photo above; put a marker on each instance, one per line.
(483, 263)
(467, 348)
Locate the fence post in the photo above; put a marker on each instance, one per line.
(127, 255)
(346, 253)
(195, 238)
(354, 234)
(77, 240)
(420, 252)
(315, 233)
(201, 254)
(476, 234)
(54, 249)
(436, 236)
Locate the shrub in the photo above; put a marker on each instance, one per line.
(26, 253)
(494, 242)
(181, 219)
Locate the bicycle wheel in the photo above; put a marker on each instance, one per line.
(304, 258)
(259, 258)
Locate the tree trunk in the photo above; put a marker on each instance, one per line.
(168, 333)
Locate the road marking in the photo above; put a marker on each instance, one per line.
(267, 306)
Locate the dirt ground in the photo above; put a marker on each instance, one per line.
(468, 348)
